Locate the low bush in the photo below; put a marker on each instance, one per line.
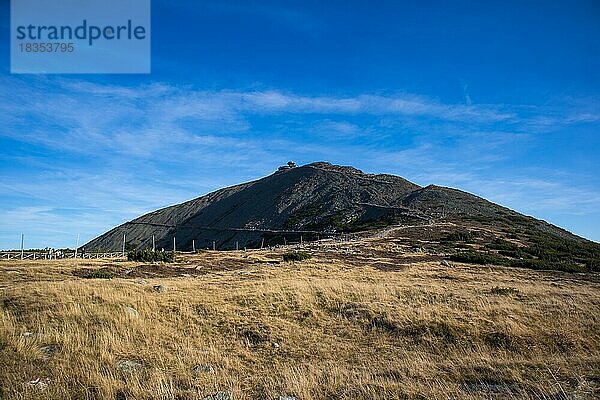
(504, 245)
(465, 237)
(477, 257)
(564, 254)
(296, 256)
(150, 256)
(100, 274)
(483, 258)
(536, 263)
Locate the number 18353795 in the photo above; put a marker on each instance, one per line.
(36, 47)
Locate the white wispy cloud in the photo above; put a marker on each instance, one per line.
(152, 145)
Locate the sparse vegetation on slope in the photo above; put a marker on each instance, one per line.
(478, 257)
(551, 256)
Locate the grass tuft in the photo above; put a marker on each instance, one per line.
(296, 256)
(503, 291)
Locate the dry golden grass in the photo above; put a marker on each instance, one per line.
(354, 327)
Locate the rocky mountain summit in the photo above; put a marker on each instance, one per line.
(314, 201)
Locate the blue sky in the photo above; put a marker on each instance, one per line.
(501, 99)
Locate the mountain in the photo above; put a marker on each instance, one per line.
(318, 200)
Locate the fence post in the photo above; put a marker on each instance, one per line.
(237, 245)
(76, 246)
(174, 248)
(123, 245)
(262, 243)
(214, 245)
(193, 246)
(153, 244)
(22, 244)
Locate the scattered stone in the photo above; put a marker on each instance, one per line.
(159, 288)
(203, 368)
(12, 272)
(489, 387)
(129, 366)
(127, 272)
(49, 350)
(218, 396)
(445, 263)
(132, 312)
(185, 275)
(275, 345)
(39, 383)
(287, 398)
(141, 281)
(29, 334)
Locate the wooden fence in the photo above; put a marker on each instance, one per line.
(44, 255)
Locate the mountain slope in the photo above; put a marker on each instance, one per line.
(320, 199)
(314, 197)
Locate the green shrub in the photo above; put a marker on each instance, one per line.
(512, 253)
(536, 263)
(504, 245)
(477, 257)
(150, 256)
(465, 237)
(100, 274)
(296, 256)
(593, 264)
(564, 254)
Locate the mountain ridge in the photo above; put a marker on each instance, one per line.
(317, 197)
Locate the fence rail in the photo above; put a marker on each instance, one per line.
(44, 255)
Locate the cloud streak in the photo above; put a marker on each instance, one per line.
(132, 149)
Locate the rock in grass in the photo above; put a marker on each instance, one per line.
(445, 263)
(218, 396)
(203, 368)
(287, 398)
(132, 312)
(39, 383)
(129, 366)
(49, 350)
(160, 288)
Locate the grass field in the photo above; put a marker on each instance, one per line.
(360, 320)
